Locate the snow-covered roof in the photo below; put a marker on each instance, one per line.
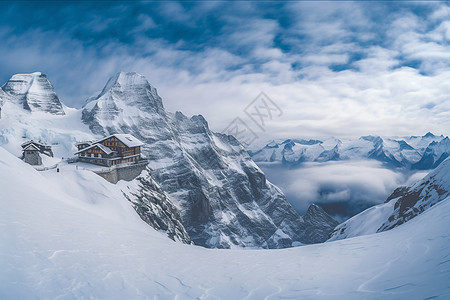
(127, 139)
(102, 147)
(31, 145)
(83, 143)
(32, 142)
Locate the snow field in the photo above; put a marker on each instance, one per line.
(69, 237)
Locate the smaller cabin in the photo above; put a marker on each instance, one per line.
(31, 151)
(31, 155)
(112, 150)
(44, 149)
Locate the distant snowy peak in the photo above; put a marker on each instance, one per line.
(33, 92)
(429, 135)
(435, 153)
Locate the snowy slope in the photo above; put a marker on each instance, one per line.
(224, 198)
(62, 130)
(404, 204)
(56, 244)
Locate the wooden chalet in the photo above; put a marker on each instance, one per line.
(112, 150)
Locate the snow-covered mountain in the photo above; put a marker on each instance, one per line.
(62, 131)
(404, 204)
(71, 235)
(414, 152)
(224, 198)
(208, 180)
(435, 153)
(32, 92)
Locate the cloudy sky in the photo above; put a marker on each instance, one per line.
(333, 68)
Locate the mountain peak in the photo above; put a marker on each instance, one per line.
(33, 92)
(272, 144)
(429, 135)
(316, 212)
(27, 75)
(322, 223)
(314, 208)
(375, 139)
(133, 89)
(125, 81)
(126, 97)
(129, 78)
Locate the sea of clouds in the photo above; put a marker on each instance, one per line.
(342, 188)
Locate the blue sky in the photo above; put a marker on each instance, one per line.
(334, 68)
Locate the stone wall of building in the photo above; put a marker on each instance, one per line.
(32, 157)
(126, 173)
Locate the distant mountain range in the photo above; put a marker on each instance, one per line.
(412, 152)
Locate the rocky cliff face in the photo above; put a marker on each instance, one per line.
(223, 197)
(33, 92)
(319, 224)
(155, 208)
(408, 202)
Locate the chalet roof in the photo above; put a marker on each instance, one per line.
(127, 139)
(33, 142)
(84, 143)
(31, 146)
(102, 147)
